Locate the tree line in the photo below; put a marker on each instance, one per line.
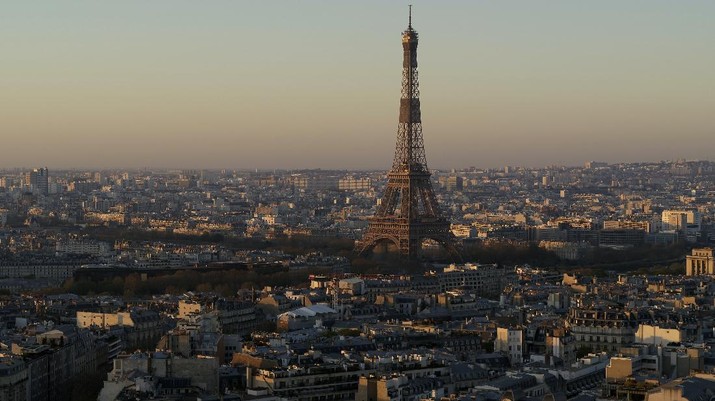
(225, 282)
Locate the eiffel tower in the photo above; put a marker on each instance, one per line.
(408, 212)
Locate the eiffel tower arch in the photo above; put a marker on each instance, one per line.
(408, 212)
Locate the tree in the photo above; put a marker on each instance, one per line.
(204, 287)
(583, 351)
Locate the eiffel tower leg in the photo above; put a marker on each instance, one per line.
(415, 249)
(362, 249)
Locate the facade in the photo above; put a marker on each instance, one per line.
(511, 342)
(562, 345)
(54, 359)
(680, 219)
(486, 280)
(274, 304)
(142, 328)
(93, 248)
(326, 382)
(187, 308)
(566, 250)
(354, 184)
(232, 316)
(658, 336)
(38, 181)
(699, 387)
(586, 373)
(162, 375)
(13, 379)
(30, 269)
(643, 360)
(353, 285)
(621, 237)
(559, 300)
(317, 183)
(399, 388)
(306, 317)
(452, 183)
(602, 329)
(642, 225)
(687, 221)
(235, 316)
(700, 262)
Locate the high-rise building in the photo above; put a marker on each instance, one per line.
(679, 219)
(354, 183)
(408, 213)
(687, 221)
(38, 181)
(642, 225)
(454, 183)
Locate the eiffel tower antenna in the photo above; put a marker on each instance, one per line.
(409, 24)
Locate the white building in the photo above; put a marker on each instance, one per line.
(687, 221)
(511, 342)
(700, 262)
(658, 336)
(93, 248)
(352, 285)
(486, 280)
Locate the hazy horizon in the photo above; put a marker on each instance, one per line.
(288, 85)
(313, 169)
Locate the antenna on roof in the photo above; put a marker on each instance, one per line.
(409, 24)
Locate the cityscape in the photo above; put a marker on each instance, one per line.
(587, 281)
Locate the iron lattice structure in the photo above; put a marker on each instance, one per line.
(408, 212)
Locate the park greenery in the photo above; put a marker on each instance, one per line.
(223, 282)
(646, 259)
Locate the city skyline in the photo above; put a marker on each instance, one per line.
(297, 86)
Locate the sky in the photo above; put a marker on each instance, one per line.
(316, 84)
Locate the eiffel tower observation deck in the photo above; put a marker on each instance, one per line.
(408, 212)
